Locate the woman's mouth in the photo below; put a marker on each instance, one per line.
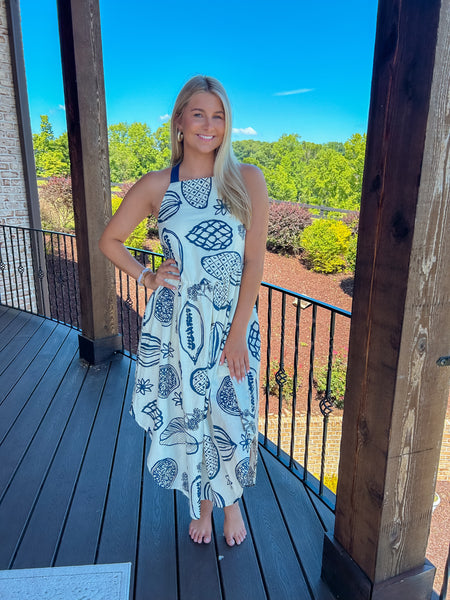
(207, 138)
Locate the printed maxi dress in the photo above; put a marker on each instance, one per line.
(203, 424)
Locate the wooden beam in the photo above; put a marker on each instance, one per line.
(81, 53)
(397, 393)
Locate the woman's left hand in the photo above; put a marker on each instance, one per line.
(235, 352)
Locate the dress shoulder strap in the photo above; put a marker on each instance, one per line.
(175, 173)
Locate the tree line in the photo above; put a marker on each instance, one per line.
(327, 174)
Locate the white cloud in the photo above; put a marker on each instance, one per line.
(61, 107)
(245, 131)
(292, 92)
(165, 117)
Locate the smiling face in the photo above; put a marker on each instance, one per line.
(202, 123)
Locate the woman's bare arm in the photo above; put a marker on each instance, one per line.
(143, 199)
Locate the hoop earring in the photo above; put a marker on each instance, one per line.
(180, 136)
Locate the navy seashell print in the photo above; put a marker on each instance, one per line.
(200, 381)
(168, 380)
(164, 472)
(164, 306)
(172, 247)
(191, 331)
(196, 191)
(226, 397)
(149, 350)
(224, 266)
(169, 206)
(211, 235)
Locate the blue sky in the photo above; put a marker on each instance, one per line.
(296, 66)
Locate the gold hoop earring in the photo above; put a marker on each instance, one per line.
(180, 136)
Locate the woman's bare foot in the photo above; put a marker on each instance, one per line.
(233, 527)
(200, 529)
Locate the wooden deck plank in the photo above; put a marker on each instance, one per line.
(326, 515)
(54, 499)
(82, 528)
(304, 525)
(76, 489)
(17, 501)
(22, 392)
(156, 564)
(197, 563)
(239, 568)
(120, 527)
(282, 574)
(7, 315)
(14, 336)
(19, 364)
(18, 430)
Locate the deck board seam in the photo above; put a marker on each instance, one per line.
(44, 478)
(35, 387)
(257, 554)
(80, 466)
(286, 524)
(2, 494)
(113, 458)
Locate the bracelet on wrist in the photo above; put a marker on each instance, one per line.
(140, 279)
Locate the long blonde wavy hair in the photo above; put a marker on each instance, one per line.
(227, 173)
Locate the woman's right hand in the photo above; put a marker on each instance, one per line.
(167, 270)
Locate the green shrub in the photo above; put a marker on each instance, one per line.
(351, 253)
(325, 244)
(55, 200)
(286, 223)
(338, 379)
(139, 235)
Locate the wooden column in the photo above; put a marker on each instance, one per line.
(397, 384)
(81, 53)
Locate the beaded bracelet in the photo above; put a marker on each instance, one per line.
(140, 279)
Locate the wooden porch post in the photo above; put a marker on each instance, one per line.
(397, 384)
(81, 52)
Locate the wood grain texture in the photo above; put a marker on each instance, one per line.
(81, 54)
(396, 395)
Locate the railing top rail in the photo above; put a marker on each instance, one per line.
(22, 228)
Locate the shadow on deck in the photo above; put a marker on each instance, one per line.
(75, 490)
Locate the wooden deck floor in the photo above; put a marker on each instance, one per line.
(74, 488)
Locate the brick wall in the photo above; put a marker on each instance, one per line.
(13, 201)
(333, 442)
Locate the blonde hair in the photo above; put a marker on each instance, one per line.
(227, 173)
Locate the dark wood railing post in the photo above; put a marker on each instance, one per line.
(397, 384)
(81, 53)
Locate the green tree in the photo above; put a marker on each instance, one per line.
(51, 155)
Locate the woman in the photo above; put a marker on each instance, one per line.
(197, 375)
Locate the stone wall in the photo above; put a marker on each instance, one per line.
(15, 260)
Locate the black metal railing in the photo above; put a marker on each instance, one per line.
(300, 336)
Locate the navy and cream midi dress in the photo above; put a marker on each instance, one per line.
(203, 424)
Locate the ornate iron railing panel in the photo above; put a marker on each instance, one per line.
(298, 335)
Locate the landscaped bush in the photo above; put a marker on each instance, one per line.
(325, 244)
(55, 199)
(139, 235)
(337, 383)
(286, 223)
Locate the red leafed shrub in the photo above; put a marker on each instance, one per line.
(286, 223)
(352, 220)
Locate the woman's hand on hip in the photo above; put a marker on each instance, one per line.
(167, 270)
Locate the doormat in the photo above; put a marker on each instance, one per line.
(91, 582)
